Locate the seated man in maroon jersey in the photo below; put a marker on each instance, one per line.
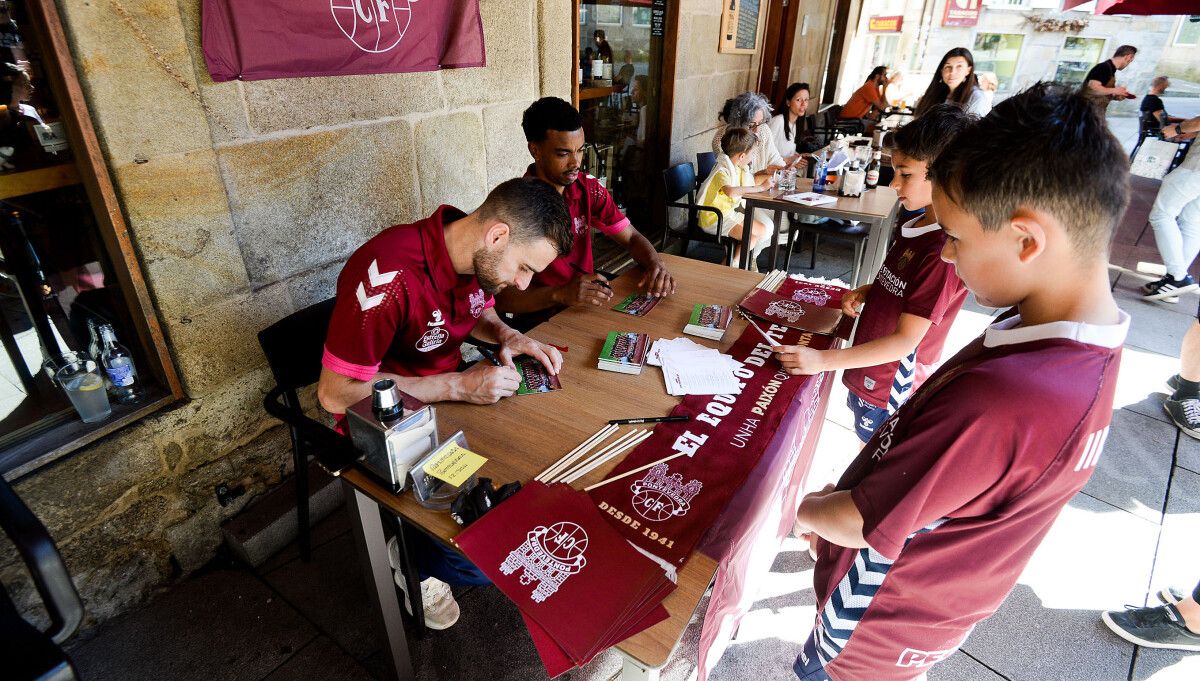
(930, 526)
(554, 130)
(408, 298)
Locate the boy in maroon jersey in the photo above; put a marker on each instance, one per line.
(908, 310)
(929, 528)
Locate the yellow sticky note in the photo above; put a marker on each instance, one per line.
(454, 464)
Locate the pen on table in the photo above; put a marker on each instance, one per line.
(650, 419)
(489, 355)
(580, 270)
(770, 341)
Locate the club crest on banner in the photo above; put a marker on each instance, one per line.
(476, 300)
(549, 556)
(812, 295)
(372, 25)
(785, 309)
(659, 496)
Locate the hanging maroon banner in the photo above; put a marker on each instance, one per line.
(667, 509)
(260, 39)
(961, 13)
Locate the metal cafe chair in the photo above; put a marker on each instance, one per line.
(680, 181)
(294, 346)
(28, 652)
(705, 162)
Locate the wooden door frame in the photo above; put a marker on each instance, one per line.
(778, 42)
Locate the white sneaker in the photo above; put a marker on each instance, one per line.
(437, 600)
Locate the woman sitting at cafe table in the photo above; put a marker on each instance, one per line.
(751, 110)
(956, 83)
(792, 127)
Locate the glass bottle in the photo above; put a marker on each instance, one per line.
(118, 366)
(873, 170)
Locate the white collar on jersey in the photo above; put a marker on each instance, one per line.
(1006, 332)
(910, 232)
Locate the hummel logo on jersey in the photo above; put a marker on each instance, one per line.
(1091, 450)
(375, 279)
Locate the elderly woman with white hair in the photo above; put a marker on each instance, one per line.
(752, 111)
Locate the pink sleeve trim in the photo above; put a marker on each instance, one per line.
(615, 229)
(339, 366)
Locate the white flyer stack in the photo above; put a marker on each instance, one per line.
(693, 369)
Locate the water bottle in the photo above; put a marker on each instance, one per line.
(118, 367)
(819, 174)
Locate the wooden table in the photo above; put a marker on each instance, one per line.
(523, 435)
(877, 207)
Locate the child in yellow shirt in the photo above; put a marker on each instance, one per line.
(723, 190)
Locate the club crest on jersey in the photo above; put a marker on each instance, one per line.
(785, 309)
(581, 226)
(659, 496)
(548, 556)
(811, 295)
(905, 258)
(476, 300)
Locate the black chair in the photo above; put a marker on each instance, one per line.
(294, 346)
(1148, 126)
(705, 162)
(29, 653)
(856, 233)
(829, 125)
(680, 180)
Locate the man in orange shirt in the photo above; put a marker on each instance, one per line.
(867, 101)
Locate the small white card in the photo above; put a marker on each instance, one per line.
(810, 198)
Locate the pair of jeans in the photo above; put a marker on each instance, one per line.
(1176, 220)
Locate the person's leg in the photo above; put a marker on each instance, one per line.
(1174, 194)
(1183, 406)
(1189, 223)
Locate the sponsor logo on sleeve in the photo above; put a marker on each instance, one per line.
(375, 279)
(548, 556)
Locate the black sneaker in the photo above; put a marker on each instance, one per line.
(1173, 382)
(1170, 595)
(1186, 414)
(1160, 627)
(1168, 289)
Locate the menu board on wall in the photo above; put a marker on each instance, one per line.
(658, 18)
(739, 26)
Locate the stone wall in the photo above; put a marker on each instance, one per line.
(244, 199)
(704, 78)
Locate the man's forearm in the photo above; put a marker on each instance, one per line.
(642, 251)
(490, 328)
(337, 393)
(834, 518)
(530, 300)
(1097, 88)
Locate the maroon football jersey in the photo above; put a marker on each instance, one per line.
(590, 205)
(401, 306)
(913, 279)
(958, 488)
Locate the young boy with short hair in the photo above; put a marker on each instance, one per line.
(929, 528)
(907, 312)
(723, 189)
